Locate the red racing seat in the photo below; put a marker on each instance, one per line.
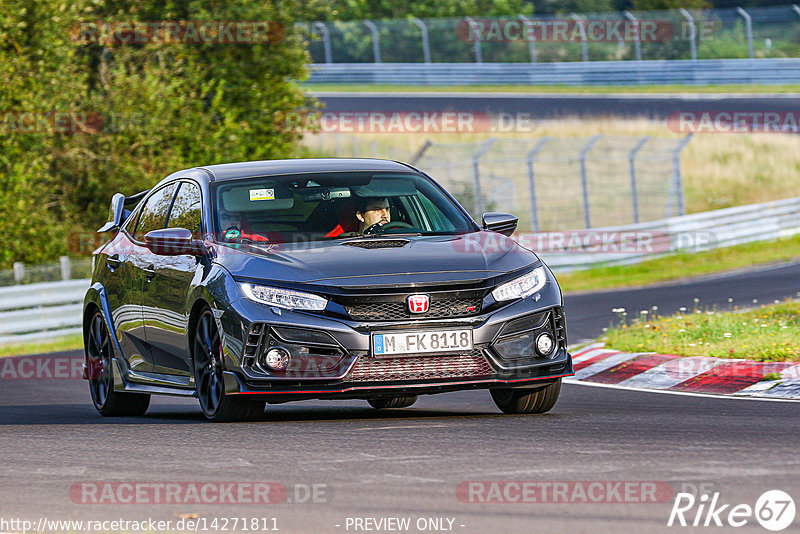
(347, 219)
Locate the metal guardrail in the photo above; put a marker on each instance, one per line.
(36, 312)
(52, 309)
(653, 72)
(687, 233)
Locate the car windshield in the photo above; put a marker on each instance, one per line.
(336, 205)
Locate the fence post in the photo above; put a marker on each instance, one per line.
(376, 43)
(532, 183)
(584, 46)
(584, 182)
(530, 35)
(326, 40)
(692, 32)
(677, 179)
(748, 28)
(19, 271)
(420, 152)
(66, 268)
(632, 169)
(637, 44)
(426, 45)
(337, 137)
(475, 31)
(476, 174)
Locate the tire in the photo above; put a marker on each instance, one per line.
(207, 367)
(99, 356)
(520, 400)
(393, 402)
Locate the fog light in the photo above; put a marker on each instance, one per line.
(276, 359)
(544, 344)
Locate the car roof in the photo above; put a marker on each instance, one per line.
(248, 169)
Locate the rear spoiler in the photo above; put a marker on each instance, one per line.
(120, 210)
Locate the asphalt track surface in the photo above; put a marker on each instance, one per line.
(408, 463)
(548, 106)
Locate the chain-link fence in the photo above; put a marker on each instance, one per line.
(672, 34)
(65, 269)
(549, 183)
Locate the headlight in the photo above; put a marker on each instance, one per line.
(521, 287)
(284, 298)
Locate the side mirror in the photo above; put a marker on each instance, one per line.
(502, 223)
(173, 242)
(116, 214)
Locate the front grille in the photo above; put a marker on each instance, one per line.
(393, 311)
(378, 243)
(472, 365)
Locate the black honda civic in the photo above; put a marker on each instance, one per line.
(265, 282)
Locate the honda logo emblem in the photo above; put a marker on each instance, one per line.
(418, 303)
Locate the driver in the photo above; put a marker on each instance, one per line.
(371, 211)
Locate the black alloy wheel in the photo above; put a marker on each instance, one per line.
(209, 380)
(99, 356)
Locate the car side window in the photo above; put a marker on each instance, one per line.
(154, 214)
(186, 210)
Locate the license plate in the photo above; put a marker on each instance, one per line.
(401, 343)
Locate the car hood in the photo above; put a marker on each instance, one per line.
(420, 260)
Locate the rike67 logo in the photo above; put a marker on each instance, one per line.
(774, 510)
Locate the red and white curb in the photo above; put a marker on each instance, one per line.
(667, 372)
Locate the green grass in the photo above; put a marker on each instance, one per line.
(70, 342)
(677, 266)
(571, 89)
(768, 333)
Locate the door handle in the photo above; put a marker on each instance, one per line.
(149, 272)
(112, 262)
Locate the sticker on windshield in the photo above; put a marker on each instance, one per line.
(262, 194)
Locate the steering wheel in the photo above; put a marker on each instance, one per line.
(379, 228)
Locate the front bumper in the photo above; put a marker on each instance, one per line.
(332, 358)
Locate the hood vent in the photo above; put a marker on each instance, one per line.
(377, 243)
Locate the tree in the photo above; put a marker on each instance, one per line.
(662, 5)
(391, 9)
(153, 106)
